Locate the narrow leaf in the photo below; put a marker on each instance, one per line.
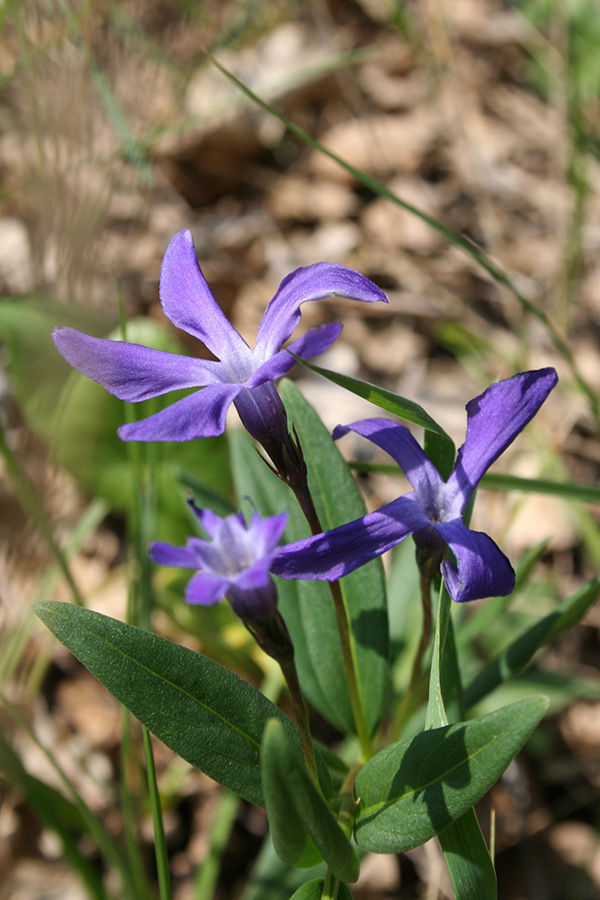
(305, 605)
(394, 403)
(521, 651)
(313, 890)
(415, 789)
(299, 819)
(468, 859)
(338, 500)
(206, 714)
(568, 490)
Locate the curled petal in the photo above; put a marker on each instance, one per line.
(314, 342)
(167, 555)
(335, 553)
(201, 414)
(130, 371)
(481, 569)
(494, 419)
(205, 589)
(189, 303)
(400, 444)
(309, 283)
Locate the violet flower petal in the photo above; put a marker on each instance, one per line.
(314, 342)
(481, 569)
(189, 302)
(309, 283)
(494, 420)
(335, 553)
(167, 555)
(130, 371)
(202, 414)
(397, 440)
(267, 532)
(254, 577)
(205, 589)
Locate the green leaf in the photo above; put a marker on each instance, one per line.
(206, 714)
(272, 879)
(468, 859)
(313, 890)
(55, 813)
(415, 789)
(306, 606)
(568, 490)
(303, 829)
(394, 403)
(522, 650)
(338, 500)
(36, 370)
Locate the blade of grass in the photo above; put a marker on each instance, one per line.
(457, 240)
(568, 490)
(103, 839)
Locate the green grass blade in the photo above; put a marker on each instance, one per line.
(452, 237)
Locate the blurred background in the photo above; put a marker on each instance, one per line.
(117, 131)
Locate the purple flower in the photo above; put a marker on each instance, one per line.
(432, 513)
(234, 562)
(240, 374)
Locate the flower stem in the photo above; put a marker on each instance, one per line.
(414, 693)
(304, 497)
(301, 715)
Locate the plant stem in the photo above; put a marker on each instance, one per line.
(301, 715)
(304, 497)
(414, 692)
(160, 844)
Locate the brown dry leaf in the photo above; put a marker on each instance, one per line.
(90, 710)
(392, 227)
(580, 727)
(302, 199)
(381, 145)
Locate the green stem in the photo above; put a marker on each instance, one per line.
(290, 674)
(304, 497)
(160, 844)
(331, 887)
(220, 833)
(414, 693)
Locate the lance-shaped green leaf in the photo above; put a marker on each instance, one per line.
(206, 714)
(521, 651)
(338, 500)
(306, 606)
(303, 828)
(313, 890)
(468, 859)
(415, 789)
(384, 399)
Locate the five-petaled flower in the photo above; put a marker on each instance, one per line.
(433, 511)
(240, 374)
(235, 562)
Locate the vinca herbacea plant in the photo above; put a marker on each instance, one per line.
(301, 568)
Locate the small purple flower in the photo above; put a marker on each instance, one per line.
(235, 562)
(240, 374)
(432, 513)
